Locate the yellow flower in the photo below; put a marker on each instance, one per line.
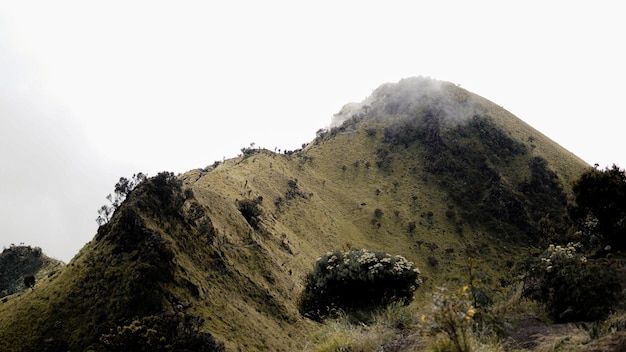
(423, 318)
(470, 313)
(465, 288)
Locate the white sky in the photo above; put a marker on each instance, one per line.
(94, 90)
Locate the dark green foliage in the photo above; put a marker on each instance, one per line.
(166, 332)
(206, 228)
(411, 227)
(122, 189)
(17, 263)
(384, 159)
(357, 279)
(125, 186)
(29, 281)
(573, 287)
(293, 190)
(196, 211)
(401, 132)
(251, 211)
(503, 204)
(601, 195)
(128, 236)
(547, 200)
(188, 193)
(162, 193)
(465, 158)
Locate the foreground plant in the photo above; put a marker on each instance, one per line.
(452, 314)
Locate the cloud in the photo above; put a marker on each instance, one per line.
(50, 179)
(405, 97)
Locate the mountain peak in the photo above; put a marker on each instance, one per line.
(422, 169)
(408, 95)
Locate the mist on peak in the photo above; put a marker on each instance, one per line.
(403, 99)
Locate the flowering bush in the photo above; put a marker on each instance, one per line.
(452, 314)
(358, 278)
(571, 286)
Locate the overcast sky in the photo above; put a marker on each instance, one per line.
(91, 91)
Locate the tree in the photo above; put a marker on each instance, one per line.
(601, 196)
(122, 189)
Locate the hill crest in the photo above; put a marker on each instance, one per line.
(231, 243)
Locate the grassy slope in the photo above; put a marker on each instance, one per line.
(245, 282)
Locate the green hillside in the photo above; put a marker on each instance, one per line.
(422, 169)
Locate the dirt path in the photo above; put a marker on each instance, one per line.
(532, 334)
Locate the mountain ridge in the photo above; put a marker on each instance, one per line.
(422, 169)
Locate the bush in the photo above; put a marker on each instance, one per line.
(166, 332)
(451, 314)
(357, 279)
(432, 261)
(29, 281)
(573, 287)
(251, 211)
(602, 195)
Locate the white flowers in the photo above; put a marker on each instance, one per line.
(556, 256)
(356, 262)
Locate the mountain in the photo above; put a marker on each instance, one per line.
(421, 168)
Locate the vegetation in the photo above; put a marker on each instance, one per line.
(423, 169)
(162, 333)
(474, 152)
(29, 281)
(600, 206)
(21, 266)
(122, 189)
(357, 279)
(452, 314)
(572, 287)
(251, 211)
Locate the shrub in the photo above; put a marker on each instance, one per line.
(451, 313)
(29, 281)
(602, 195)
(251, 211)
(432, 261)
(411, 227)
(357, 279)
(573, 287)
(165, 332)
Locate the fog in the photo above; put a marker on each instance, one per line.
(50, 175)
